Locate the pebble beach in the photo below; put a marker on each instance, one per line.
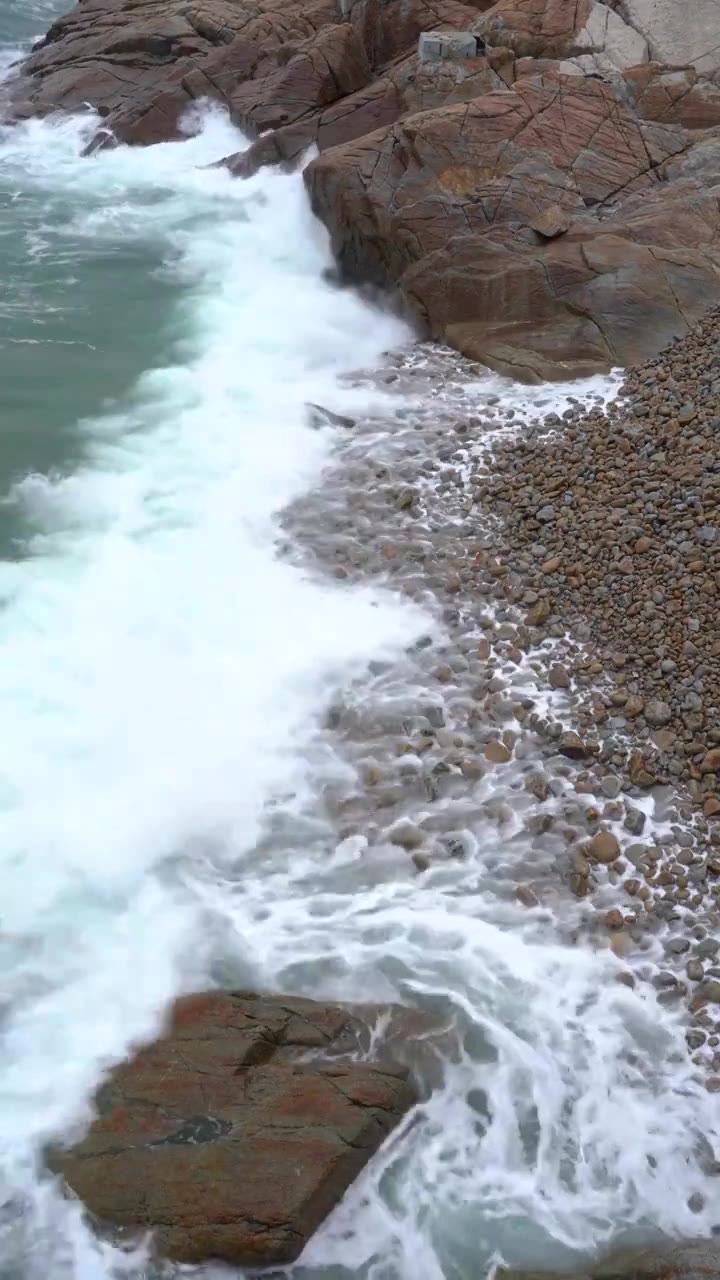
(567, 542)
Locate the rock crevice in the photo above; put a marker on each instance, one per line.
(233, 1135)
(452, 136)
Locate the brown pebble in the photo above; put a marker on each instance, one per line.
(538, 614)
(524, 894)
(559, 677)
(497, 752)
(614, 919)
(571, 745)
(604, 847)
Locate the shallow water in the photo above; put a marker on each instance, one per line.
(164, 769)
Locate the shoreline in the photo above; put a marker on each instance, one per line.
(502, 727)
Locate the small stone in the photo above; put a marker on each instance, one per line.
(626, 979)
(604, 847)
(611, 786)
(538, 614)
(695, 971)
(497, 752)
(711, 761)
(571, 745)
(678, 946)
(405, 499)
(638, 772)
(711, 807)
(633, 707)
(559, 678)
(635, 820)
(614, 919)
(710, 990)
(658, 713)
(421, 861)
(537, 785)
(524, 895)
(405, 834)
(552, 565)
(632, 887)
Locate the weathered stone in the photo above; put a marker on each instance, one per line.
(614, 919)
(570, 744)
(658, 713)
(604, 847)
(223, 1141)
(439, 196)
(672, 37)
(559, 676)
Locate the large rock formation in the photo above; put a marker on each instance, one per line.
(449, 205)
(558, 224)
(234, 1135)
(538, 180)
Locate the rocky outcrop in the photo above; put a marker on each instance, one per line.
(233, 1136)
(271, 63)
(445, 204)
(535, 179)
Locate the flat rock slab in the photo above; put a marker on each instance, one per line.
(235, 1134)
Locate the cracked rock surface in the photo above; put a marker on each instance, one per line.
(233, 1135)
(549, 207)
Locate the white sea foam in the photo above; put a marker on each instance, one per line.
(161, 671)
(159, 664)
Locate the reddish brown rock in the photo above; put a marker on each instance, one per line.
(441, 204)
(226, 1139)
(406, 88)
(143, 65)
(543, 205)
(604, 847)
(674, 95)
(328, 66)
(536, 28)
